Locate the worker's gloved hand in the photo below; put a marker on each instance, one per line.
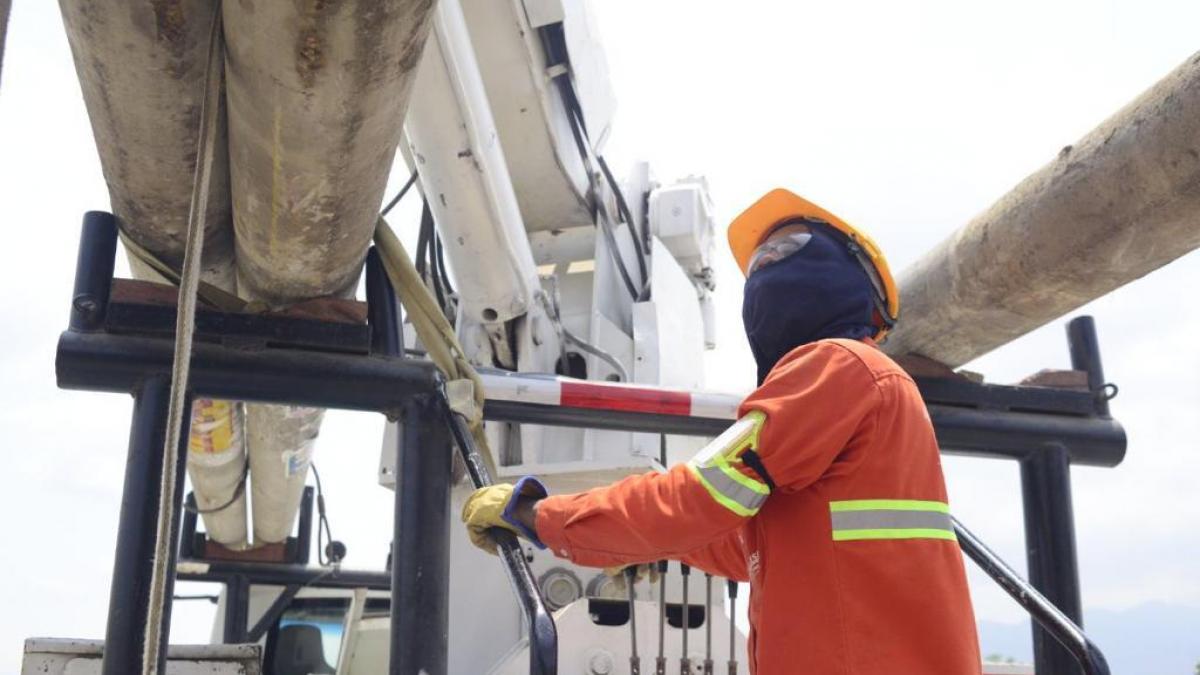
(505, 506)
(643, 571)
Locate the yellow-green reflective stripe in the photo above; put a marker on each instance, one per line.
(890, 519)
(727, 492)
(889, 504)
(714, 467)
(903, 533)
(744, 480)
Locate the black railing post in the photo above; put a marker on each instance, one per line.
(1085, 356)
(187, 532)
(1049, 513)
(420, 625)
(237, 610)
(174, 533)
(129, 597)
(1050, 549)
(93, 270)
(383, 312)
(421, 543)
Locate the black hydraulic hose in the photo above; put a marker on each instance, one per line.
(578, 130)
(642, 238)
(1049, 617)
(731, 588)
(426, 255)
(441, 264)
(623, 209)
(543, 636)
(685, 662)
(435, 274)
(400, 195)
(660, 663)
(601, 214)
(635, 662)
(606, 226)
(611, 240)
(423, 233)
(708, 661)
(554, 48)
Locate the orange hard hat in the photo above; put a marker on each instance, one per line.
(781, 206)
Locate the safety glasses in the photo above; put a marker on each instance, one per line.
(774, 250)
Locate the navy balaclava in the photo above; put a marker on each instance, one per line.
(818, 292)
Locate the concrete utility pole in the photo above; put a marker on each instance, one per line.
(1118, 204)
(5, 8)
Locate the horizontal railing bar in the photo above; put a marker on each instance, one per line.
(120, 363)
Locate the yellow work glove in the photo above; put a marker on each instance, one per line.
(643, 571)
(495, 506)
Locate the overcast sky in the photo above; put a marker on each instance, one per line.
(906, 118)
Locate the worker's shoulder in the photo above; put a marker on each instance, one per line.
(856, 355)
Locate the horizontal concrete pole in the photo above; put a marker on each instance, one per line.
(1117, 205)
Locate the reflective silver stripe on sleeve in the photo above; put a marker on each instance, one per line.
(716, 467)
(748, 500)
(867, 519)
(888, 519)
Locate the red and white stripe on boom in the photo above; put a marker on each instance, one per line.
(573, 393)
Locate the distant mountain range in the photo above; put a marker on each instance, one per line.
(1150, 639)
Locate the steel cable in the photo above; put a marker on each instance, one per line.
(189, 283)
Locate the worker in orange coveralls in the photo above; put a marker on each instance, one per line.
(826, 495)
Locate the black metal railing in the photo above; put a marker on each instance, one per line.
(1068, 634)
(387, 340)
(119, 346)
(1045, 430)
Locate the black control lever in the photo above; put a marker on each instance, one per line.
(543, 636)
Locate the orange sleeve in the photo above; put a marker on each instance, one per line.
(654, 516)
(816, 400)
(725, 557)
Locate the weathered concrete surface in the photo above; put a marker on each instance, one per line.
(315, 98)
(5, 9)
(141, 68)
(317, 93)
(281, 439)
(1120, 203)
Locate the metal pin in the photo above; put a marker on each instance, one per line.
(685, 663)
(708, 662)
(660, 663)
(732, 587)
(635, 663)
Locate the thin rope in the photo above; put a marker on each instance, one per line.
(184, 324)
(432, 327)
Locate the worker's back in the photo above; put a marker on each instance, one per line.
(853, 564)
